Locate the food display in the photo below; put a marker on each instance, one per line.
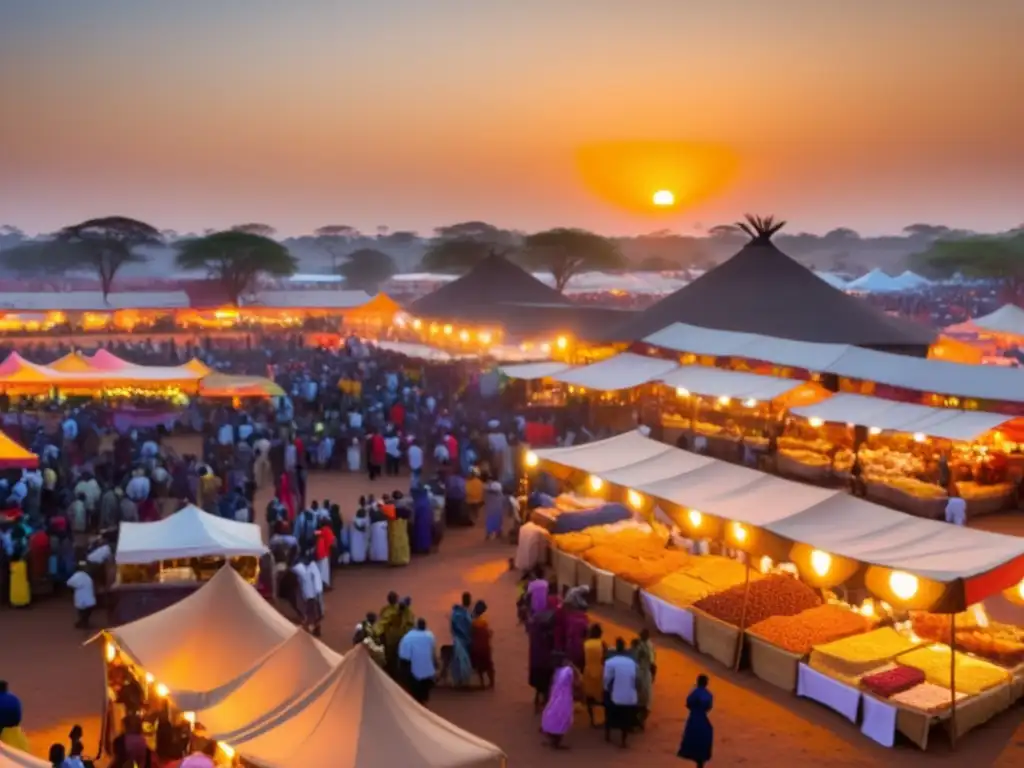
(798, 444)
(568, 502)
(814, 626)
(773, 595)
(629, 536)
(910, 486)
(854, 656)
(887, 462)
(926, 697)
(892, 680)
(700, 577)
(810, 458)
(972, 491)
(637, 567)
(680, 589)
(973, 676)
(1002, 644)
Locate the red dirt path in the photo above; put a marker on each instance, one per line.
(60, 682)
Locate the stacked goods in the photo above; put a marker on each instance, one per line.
(911, 486)
(895, 679)
(771, 596)
(973, 676)
(629, 537)
(568, 502)
(852, 657)
(719, 572)
(926, 697)
(647, 570)
(976, 492)
(999, 643)
(885, 462)
(797, 444)
(815, 626)
(680, 589)
(810, 458)
(573, 543)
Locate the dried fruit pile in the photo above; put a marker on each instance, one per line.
(973, 676)
(799, 633)
(1000, 643)
(771, 596)
(893, 680)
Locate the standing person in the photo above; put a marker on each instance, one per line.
(418, 650)
(11, 733)
(698, 733)
(398, 534)
(325, 545)
(474, 495)
(646, 664)
(414, 455)
(594, 650)
(318, 591)
(620, 692)
(541, 632)
(480, 646)
(461, 667)
(494, 508)
(375, 454)
(422, 534)
(352, 455)
(956, 509)
(85, 595)
(359, 536)
(392, 454)
(558, 713)
(391, 628)
(307, 593)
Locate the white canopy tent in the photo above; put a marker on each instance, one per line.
(532, 371)
(876, 281)
(830, 520)
(190, 532)
(911, 281)
(740, 385)
(420, 351)
(623, 371)
(357, 717)
(1008, 320)
(894, 416)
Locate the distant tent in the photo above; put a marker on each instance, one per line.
(14, 456)
(911, 281)
(761, 290)
(494, 280)
(15, 758)
(103, 360)
(1008, 320)
(833, 279)
(72, 362)
(876, 281)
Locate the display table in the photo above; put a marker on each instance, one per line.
(773, 664)
(604, 586)
(624, 593)
(790, 467)
(565, 567)
(837, 696)
(667, 618)
(715, 638)
(929, 508)
(532, 547)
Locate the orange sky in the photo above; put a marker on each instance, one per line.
(411, 113)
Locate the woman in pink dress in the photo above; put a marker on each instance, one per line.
(558, 714)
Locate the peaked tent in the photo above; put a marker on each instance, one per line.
(876, 281)
(15, 758)
(762, 290)
(72, 362)
(15, 456)
(357, 717)
(206, 640)
(271, 685)
(104, 360)
(493, 281)
(911, 280)
(189, 532)
(1007, 320)
(198, 366)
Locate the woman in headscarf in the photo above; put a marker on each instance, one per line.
(480, 646)
(494, 508)
(594, 651)
(395, 621)
(378, 533)
(353, 454)
(558, 713)
(541, 632)
(422, 537)
(20, 593)
(698, 733)
(398, 534)
(461, 622)
(571, 625)
(359, 539)
(646, 668)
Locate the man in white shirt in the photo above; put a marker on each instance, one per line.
(85, 595)
(318, 588)
(393, 453)
(620, 686)
(441, 455)
(415, 456)
(307, 598)
(138, 487)
(226, 435)
(956, 511)
(418, 649)
(355, 419)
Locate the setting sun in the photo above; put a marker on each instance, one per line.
(664, 197)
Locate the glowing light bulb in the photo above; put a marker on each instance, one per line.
(463, 335)
(724, 400)
(417, 324)
(867, 608)
(448, 330)
(532, 459)
(750, 403)
(596, 483)
(815, 422)
(739, 533)
(162, 690)
(485, 337)
(903, 585)
(111, 652)
(682, 392)
(635, 499)
(821, 562)
(562, 342)
(920, 437)
(190, 717)
(149, 679)
(1020, 589)
(875, 431)
(695, 518)
(545, 348)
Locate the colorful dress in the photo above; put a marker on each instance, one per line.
(462, 636)
(593, 670)
(557, 717)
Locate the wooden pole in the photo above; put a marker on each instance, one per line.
(952, 679)
(743, 616)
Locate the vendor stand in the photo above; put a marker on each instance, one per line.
(161, 563)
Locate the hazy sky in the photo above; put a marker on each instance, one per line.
(525, 113)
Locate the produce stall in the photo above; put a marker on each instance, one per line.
(161, 563)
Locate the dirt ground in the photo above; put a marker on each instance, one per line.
(60, 681)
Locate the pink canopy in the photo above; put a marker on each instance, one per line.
(13, 362)
(108, 361)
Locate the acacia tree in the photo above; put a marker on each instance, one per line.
(567, 252)
(366, 269)
(986, 256)
(235, 259)
(454, 255)
(255, 228)
(335, 239)
(103, 245)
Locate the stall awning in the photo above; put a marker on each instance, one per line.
(531, 371)
(912, 418)
(623, 371)
(830, 520)
(190, 532)
(740, 385)
(15, 758)
(15, 456)
(421, 351)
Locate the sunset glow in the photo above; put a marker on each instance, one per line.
(664, 198)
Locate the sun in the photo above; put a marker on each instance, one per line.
(664, 198)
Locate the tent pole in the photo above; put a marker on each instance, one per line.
(743, 616)
(952, 679)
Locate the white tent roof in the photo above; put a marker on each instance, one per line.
(530, 371)
(420, 351)
(15, 758)
(86, 301)
(889, 415)
(299, 299)
(704, 380)
(833, 279)
(265, 690)
(1008, 319)
(911, 280)
(876, 281)
(357, 717)
(206, 640)
(984, 382)
(190, 532)
(826, 519)
(623, 371)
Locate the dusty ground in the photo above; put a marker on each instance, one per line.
(60, 682)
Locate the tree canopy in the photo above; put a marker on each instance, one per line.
(335, 239)
(102, 245)
(255, 228)
(989, 256)
(457, 255)
(568, 252)
(236, 259)
(366, 269)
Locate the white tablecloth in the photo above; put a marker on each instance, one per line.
(669, 619)
(824, 690)
(879, 721)
(532, 549)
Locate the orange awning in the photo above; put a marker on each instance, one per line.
(14, 456)
(72, 362)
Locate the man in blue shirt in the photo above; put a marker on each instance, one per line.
(10, 708)
(419, 650)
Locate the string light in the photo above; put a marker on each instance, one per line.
(739, 533)
(532, 459)
(750, 403)
(724, 400)
(682, 392)
(821, 562)
(448, 330)
(596, 483)
(875, 431)
(815, 422)
(635, 499)
(562, 342)
(920, 437)
(695, 518)
(162, 690)
(111, 652)
(903, 585)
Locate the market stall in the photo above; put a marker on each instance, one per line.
(14, 456)
(163, 562)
